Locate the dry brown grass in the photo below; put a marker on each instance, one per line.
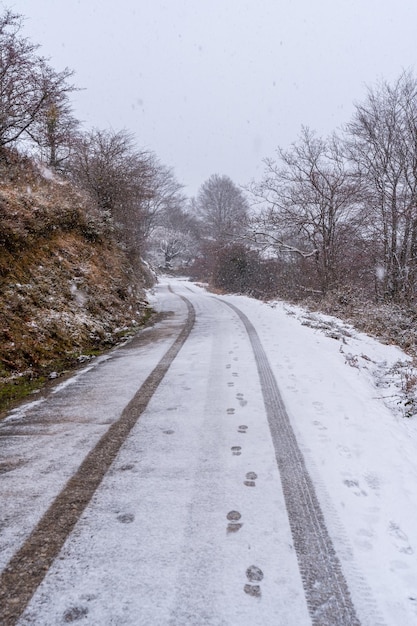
(66, 287)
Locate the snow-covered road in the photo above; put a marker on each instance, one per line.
(219, 505)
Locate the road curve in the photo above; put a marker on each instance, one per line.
(199, 512)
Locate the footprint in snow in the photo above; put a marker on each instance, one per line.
(373, 481)
(250, 479)
(230, 411)
(236, 450)
(230, 384)
(242, 429)
(74, 614)
(344, 451)
(400, 539)
(234, 524)
(241, 399)
(125, 468)
(318, 406)
(354, 485)
(126, 518)
(255, 575)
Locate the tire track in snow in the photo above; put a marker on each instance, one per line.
(29, 566)
(325, 587)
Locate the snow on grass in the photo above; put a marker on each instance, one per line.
(390, 369)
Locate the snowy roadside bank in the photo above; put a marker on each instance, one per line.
(345, 395)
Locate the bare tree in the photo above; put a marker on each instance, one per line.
(55, 129)
(309, 196)
(131, 188)
(176, 237)
(166, 199)
(174, 245)
(383, 146)
(118, 177)
(26, 80)
(222, 208)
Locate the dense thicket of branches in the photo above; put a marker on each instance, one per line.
(312, 202)
(197, 231)
(128, 187)
(29, 87)
(382, 145)
(345, 208)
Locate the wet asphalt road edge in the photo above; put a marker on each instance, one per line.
(30, 564)
(327, 594)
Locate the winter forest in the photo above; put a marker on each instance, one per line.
(331, 223)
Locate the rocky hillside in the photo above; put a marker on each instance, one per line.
(67, 288)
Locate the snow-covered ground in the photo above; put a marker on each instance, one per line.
(159, 543)
(344, 393)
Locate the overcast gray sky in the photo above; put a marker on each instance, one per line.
(214, 86)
